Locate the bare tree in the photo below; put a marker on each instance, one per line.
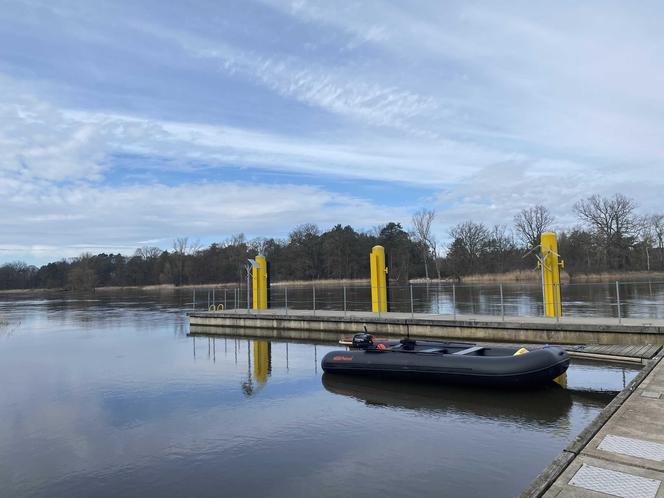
(422, 221)
(473, 236)
(237, 249)
(147, 252)
(614, 221)
(500, 245)
(657, 224)
(647, 233)
(259, 244)
(470, 243)
(182, 248)
(531, 223)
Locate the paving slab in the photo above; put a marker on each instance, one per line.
(625, 457)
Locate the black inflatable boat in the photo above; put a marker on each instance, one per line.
(448, 362)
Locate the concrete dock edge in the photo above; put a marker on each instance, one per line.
(550, 474)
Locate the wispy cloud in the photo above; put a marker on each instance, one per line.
(43, 141)
(479, 108)
(338, 89)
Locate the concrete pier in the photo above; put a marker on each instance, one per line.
(621, 453)
(299, 324)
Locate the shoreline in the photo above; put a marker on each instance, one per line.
(534, 276)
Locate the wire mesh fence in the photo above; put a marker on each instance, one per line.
(619, 300)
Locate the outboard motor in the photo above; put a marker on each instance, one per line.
(408, 344)
(362, 341)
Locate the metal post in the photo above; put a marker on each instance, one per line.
(213, 299)
(225, 307)
(248, 289)
(618, 299)
(194, 300)
(286, 299)
(412, 307)
(380, 301)
(344, 300)
(454, 300)
(234, 299)
(555, 301)
(314, 299)
(541, 261)
(502, 303)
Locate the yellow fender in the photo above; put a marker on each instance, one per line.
(220, 307)
(520, 352)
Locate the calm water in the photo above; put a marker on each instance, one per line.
(107, 396)
(638, 299)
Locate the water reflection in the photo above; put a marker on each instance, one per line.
(638, 299)
(104, 399)
(542, 406)
(262, 367)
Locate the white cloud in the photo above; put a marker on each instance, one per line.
(493, 106)
(69, 220)
(45, 142)
(38, 142)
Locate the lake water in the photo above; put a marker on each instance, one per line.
(106, 395)
(638, 299)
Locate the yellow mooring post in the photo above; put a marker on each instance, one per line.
(259, 283)
(378, 279)
(551, 264)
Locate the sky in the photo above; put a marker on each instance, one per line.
(132, 123)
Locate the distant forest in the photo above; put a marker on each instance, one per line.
(611, 236)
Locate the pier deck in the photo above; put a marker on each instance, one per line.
(322, 324)
(621, 453)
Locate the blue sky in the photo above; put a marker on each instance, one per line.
(125, 124)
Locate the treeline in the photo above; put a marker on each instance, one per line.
(610, 236)
(307, 254)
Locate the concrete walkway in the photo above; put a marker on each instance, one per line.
(621, 453)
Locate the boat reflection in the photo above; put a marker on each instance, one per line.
(544, 406)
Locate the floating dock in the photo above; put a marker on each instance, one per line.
(324, 325)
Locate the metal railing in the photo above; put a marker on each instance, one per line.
(615, 300)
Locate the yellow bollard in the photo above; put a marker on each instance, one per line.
(551, 264)
(378, 279)
(259, 283)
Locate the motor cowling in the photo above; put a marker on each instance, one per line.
(362, 341)
(408, 344)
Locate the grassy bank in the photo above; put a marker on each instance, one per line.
(625, 276)
(534, 276)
